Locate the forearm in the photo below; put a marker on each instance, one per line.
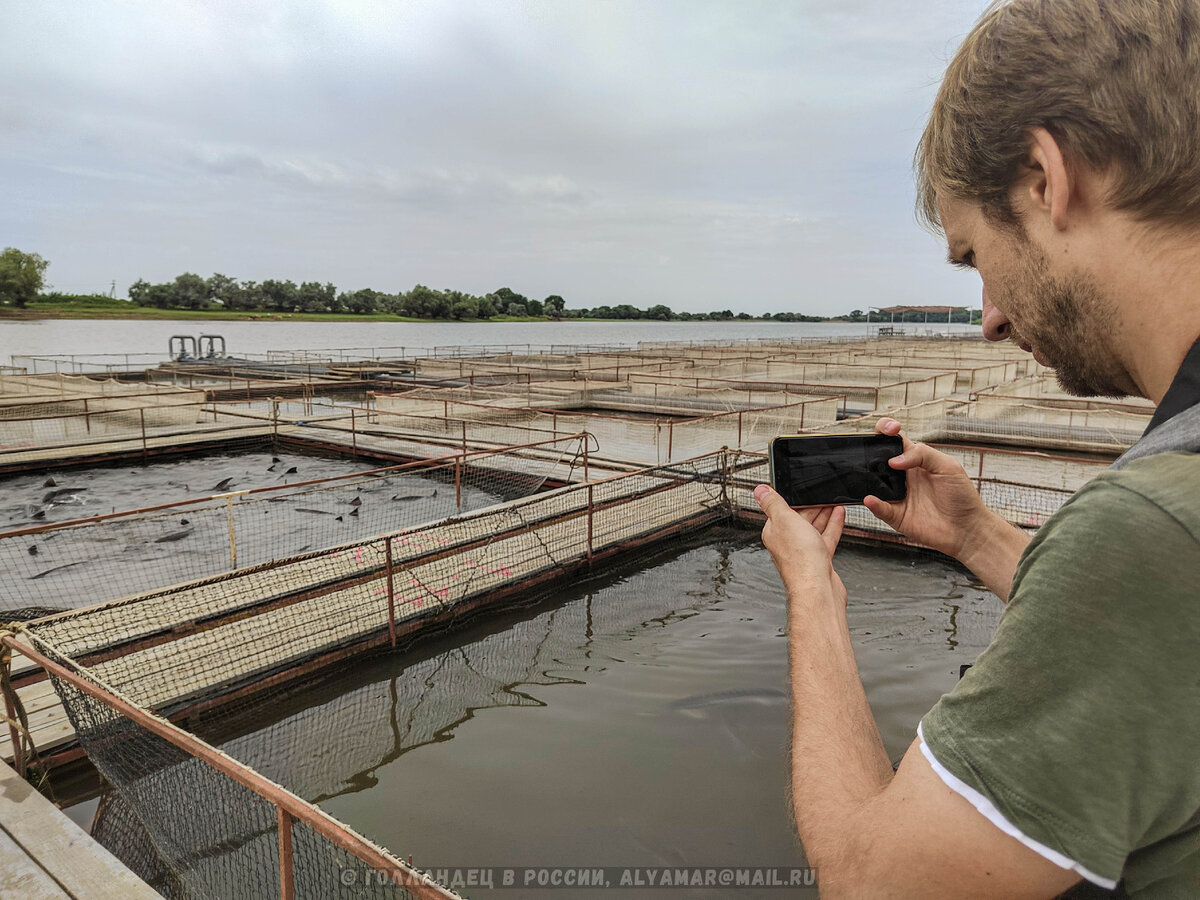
(838, 759)
(993, 551)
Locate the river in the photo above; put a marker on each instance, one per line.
(52, 337)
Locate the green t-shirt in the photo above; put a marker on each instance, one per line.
(1080, 723)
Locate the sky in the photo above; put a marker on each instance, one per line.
(747, 154)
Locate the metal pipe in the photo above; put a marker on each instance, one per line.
(287, 872)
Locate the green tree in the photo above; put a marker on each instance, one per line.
(279, 295)
(504, 296)
(660, 312)
(464, 308)
(554, 306)
(223, 288)
(312, 296)
(21, 276)
(189, 291)
(486, 306)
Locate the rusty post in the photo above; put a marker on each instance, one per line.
(232, 533)
(589, 534)
(391, 590)
(586, 440)
(670, 438)
(353, 436)
(803, 407)
(142, 416)
(458, 482)
(287, 875)
(979, 478)
(740, 428)
(87, 420)
(14, 735)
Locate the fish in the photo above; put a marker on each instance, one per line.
(174, 536)
(222, 484)
(320, 512)
(183, 521)
(408, 497)
(275, 459)
(56, 569)
(339, 519)
(49, 482)
(40, 514)
(357, 501)
(33, 550)
(354, 512)
(270, 468)
(61, 492)
(291, 471)
(718, 698)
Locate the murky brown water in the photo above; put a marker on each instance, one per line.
(638, 719)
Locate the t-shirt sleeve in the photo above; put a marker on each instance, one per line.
(1076, 729)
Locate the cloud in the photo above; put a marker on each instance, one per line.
(694, 153)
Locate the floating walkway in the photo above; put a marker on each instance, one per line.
(46, 856)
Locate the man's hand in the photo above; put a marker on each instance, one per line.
(801, 545)
(943, 511)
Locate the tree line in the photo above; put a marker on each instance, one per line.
(22, 279)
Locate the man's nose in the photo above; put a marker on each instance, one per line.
(996, 326)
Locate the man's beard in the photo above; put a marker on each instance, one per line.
(1067, 321)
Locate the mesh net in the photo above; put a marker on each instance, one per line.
(195, 609)
(93, 560)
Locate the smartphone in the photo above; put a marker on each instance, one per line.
(835, 469)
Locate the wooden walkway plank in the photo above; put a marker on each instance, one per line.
(45, 854)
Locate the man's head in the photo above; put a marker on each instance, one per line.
(1091, 106)
(1116, 82)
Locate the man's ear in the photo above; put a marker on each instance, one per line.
(1049, 184)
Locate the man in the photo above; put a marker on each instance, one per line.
(1062, 161)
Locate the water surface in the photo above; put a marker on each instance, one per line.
(640, 718)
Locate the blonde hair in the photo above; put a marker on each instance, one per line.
(1117, 82)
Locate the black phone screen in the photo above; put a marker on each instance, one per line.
(829, 470)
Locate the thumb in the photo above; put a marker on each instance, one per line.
(770, 501)
(888, 513)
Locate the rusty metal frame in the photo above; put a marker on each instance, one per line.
(289, 805)
(363, 576)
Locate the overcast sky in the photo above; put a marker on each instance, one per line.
(746, 155)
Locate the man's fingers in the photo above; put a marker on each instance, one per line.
(821, 520)
(922, 456)
(888, 425)
(887, 513)
(831, 533)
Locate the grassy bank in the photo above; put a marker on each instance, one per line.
(121, 310)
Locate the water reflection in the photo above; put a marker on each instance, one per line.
(643, 713)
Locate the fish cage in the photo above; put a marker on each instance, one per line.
(108, 556)
(125, 676)
(650, 438)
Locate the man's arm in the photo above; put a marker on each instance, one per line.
(869, 833)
